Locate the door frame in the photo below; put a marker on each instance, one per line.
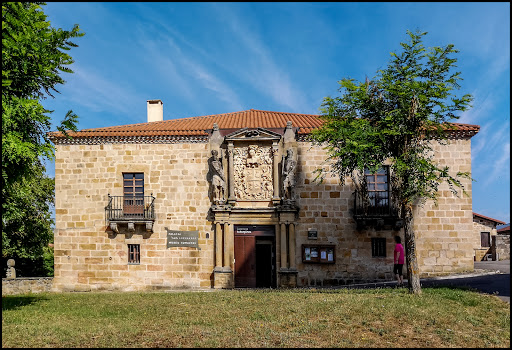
(257, 232)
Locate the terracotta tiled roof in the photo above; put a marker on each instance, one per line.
(197, 126)
(504, 229)
(488, 218)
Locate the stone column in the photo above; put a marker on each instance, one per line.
(275, 148)
(231, 198)
(278, 247)
(284, 262)
(218, 245)
(231, 247)
(291, 246)
(227, 231)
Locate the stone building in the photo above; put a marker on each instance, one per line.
(485, 230)
(230, 200)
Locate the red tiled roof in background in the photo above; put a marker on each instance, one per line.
(504, 229)
(196, 126)
(488, 218)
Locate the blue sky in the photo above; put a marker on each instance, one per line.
(211, 58)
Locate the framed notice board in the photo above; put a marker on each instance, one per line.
(321, 254)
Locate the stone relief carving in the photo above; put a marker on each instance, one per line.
(253, 173)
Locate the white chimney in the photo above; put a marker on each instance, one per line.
(155, 111)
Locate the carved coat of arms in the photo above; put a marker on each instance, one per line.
(253, 173)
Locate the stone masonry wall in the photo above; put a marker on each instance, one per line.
(444, 232)
(88, 256)
(501, 247)
(482, 225)
(26, 285)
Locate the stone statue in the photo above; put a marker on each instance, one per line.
(289, 175)
(217, 178)
(11, 271)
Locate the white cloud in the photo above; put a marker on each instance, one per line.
(262, 72)
(500, 166)
(87, 87)
(180, 65)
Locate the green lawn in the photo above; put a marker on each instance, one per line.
(441, 317)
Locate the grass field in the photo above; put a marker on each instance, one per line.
(441, 317)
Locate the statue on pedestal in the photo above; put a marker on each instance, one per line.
(289, 167)
(217, 178)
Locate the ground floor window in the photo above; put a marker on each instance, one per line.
(133, 253)
(378, 247)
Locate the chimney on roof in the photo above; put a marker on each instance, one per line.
(155, 111)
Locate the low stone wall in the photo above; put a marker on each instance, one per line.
(25, 285)
(501, 247)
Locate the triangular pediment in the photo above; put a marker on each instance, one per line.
(253, 134)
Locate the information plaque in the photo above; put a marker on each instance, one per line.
(182, 239)
(322, 254)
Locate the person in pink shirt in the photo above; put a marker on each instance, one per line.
(399, 261)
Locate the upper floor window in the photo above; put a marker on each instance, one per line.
(133, 194)
(378, 186)
(133, 184)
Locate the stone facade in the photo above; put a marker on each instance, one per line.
(483, 224)
(91, 255)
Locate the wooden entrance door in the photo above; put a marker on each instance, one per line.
(254, 257)
(245, 261)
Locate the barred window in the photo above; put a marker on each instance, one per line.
(133, 253)
(378, 247)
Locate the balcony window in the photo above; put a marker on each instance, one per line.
(378, 187)
(133, 190)
(132, 206)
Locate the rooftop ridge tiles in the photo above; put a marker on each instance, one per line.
(248, 118)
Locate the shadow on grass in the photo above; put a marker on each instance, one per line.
(12, 302)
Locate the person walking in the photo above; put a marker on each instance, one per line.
(399, 259)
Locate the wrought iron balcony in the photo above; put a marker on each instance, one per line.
(130, 208)
(376, 204)
(375, 208)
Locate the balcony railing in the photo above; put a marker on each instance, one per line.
(130, 208)
(377, 204)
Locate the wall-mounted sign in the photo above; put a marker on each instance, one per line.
(182, 238)
(254, 230)
(312, 234)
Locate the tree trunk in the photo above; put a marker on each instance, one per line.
(413, 272)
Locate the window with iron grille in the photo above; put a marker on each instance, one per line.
(133, 253)
(378, 247)
(485, 239)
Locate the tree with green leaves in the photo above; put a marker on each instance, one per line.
(394, 119)
(34, 55)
